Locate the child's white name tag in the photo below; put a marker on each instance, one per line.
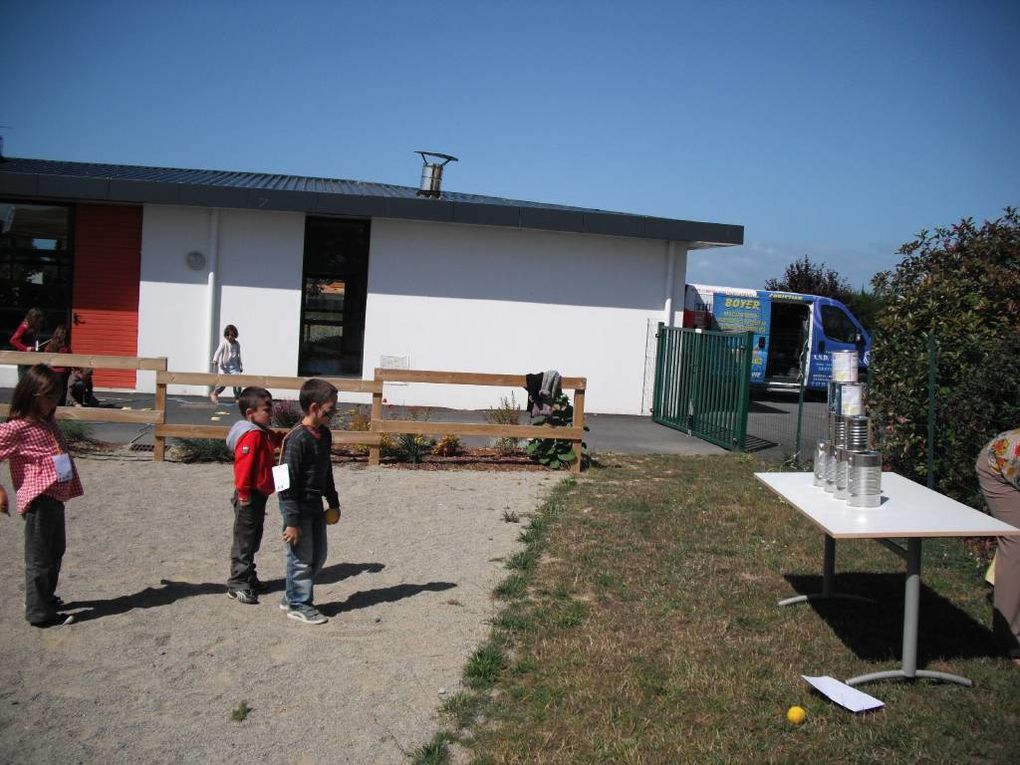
(281, 477)
(62, 463)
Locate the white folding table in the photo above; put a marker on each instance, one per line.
(908, 511)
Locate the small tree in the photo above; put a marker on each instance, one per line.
(961, 284)
(811, 279)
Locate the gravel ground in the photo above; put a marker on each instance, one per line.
(159, 657)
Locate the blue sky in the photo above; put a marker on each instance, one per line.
(832, 129)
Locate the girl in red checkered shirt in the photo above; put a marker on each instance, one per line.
(44, 478)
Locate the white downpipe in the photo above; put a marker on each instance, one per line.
(674, 251)
(212, 285)
(667, 317)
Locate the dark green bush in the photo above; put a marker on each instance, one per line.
(556, 453)
(962, 285)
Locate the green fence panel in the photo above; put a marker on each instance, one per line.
(702, 384)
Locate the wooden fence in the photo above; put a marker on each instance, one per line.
(371, 438)
(574, 433)
(92, 414)
(342, 384)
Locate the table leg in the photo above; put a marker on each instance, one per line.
(828, 578)
(911, 611)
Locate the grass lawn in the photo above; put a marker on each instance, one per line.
(640, 626)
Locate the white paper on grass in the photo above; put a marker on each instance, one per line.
(843, 694)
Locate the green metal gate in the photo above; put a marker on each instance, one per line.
(702, 382)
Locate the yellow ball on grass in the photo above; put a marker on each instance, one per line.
(796, 715)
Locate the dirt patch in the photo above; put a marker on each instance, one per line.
(160, 659)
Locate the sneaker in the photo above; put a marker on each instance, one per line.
(259, 586)
(307, 614)
(243, 596)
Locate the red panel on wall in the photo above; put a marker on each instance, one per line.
(107, 267)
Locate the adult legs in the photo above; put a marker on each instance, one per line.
(1004, 503)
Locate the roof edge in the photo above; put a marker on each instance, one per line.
(496, 212)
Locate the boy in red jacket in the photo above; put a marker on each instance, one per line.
(253, 444)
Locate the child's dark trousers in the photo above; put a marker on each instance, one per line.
(45, 542)
(248, 523)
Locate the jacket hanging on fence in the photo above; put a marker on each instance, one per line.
(543, 390)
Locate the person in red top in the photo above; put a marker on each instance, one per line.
(253, 445)
(44, 477)
(26, 336)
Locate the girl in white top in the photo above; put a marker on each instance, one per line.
(228, 359)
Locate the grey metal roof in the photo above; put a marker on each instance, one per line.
(330, 196)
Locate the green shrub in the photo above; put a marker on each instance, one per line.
(412, 447)
(553, 452)
(959, 284)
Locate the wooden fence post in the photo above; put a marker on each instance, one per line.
(159, 450)
(578, 423)
(374, 451)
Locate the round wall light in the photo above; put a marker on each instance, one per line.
(196, 260)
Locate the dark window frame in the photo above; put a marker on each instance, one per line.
(12, 312)
(352, 269)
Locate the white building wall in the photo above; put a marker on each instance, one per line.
(259, 265)
(488, 299)
(441, 296)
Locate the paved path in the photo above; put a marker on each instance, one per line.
(771, 428)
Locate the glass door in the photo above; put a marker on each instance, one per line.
(334, 287)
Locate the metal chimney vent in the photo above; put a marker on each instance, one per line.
(432, 173)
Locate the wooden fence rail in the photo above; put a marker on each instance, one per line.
(575, 433)
(342, 384)
(371, 438)
(91, 361)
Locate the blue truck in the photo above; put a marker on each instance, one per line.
(784, 324)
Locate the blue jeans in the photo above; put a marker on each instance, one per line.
(306, 558)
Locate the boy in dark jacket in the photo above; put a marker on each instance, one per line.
(253, 445)
(306, 453)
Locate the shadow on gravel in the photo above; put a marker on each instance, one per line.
(170, 591)
(367, 598)
(150, 597)
(332, 574)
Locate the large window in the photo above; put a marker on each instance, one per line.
(35, 265)
(334, 288)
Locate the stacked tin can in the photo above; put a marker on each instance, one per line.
(845, 464)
